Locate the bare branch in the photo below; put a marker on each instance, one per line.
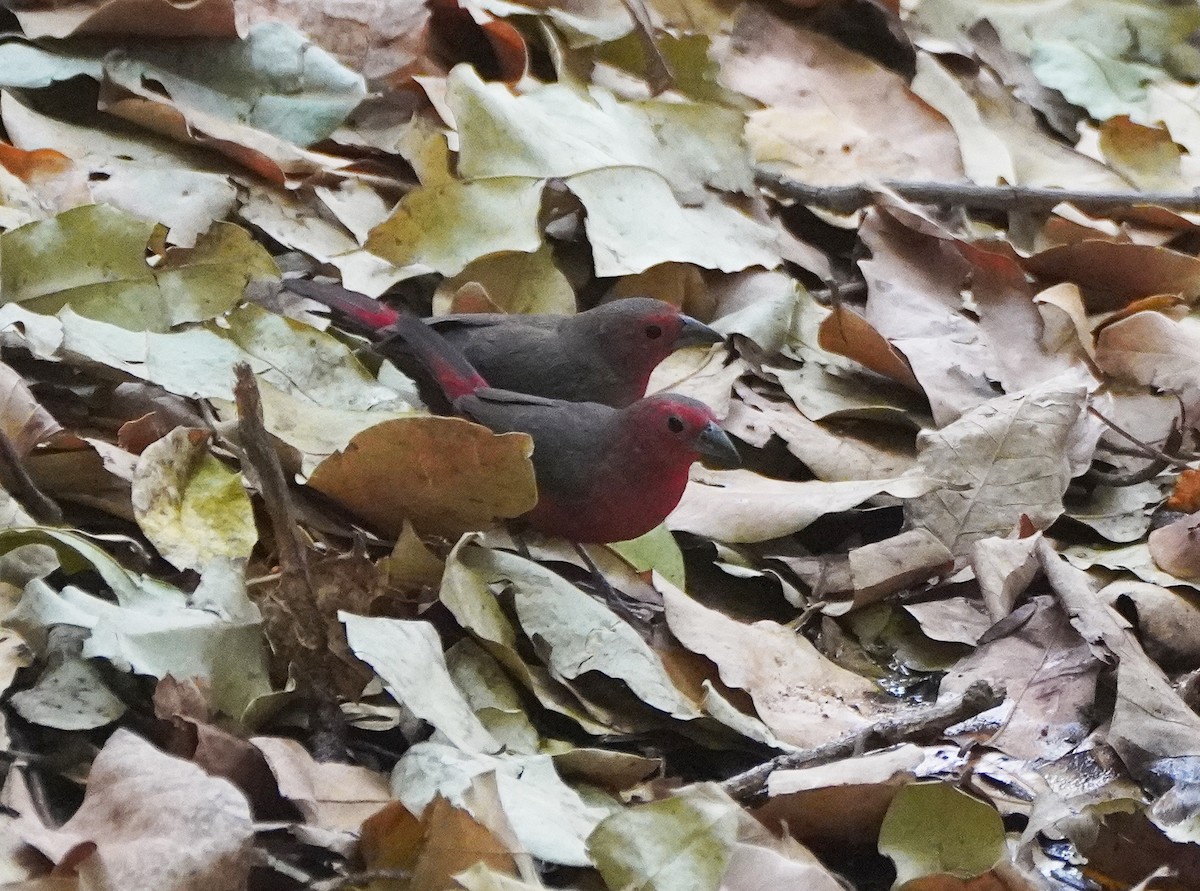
(925, 723)
(849, 198)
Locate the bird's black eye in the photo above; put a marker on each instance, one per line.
(674, 424)
(653, 332)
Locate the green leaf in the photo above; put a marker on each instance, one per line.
(446, 225)
(936, 829)
(197, 361)
(190, 505)
(655, 550)
(24, 66)
(1105, 86)
(682, 843)
(154, 629)
(274, 80)
(93, 259)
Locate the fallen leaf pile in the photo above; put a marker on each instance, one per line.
(263, 625)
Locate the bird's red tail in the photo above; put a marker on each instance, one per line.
(455, 375)
(358, 312)
(354, 311)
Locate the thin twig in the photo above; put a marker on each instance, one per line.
(848, 198)
(921, 723)
(295, 626)
(1147, 450)
(18, 482)
(261, 456)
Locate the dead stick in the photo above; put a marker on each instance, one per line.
(262, 457)
(848, 198)
(922, 723)
(297, 626)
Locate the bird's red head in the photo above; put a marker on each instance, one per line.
(675, 428)
(639, 332)
(644, 474)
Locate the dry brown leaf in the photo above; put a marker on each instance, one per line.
(146, 18)
(1013, 325)
(24, 420)
(896, 563)
(1151, 725)
(768, 862)
(843, 802)
(1004, 568)
(94, 473)
(391, 839)
(847, 333)
(1152, 350)
(1176, 547)
(804, 698)
(1006, 459)
(834, 116)
(990, 122)
(960, 620)
(150, 820)
(336, 797)
(276, 160)
(915, 283)
(1167, 620)
(1050, 677)
(55, 182)
(411, 563)
(1111, 274)
(382, 41)
(1065, 319)
(1146, 155)
(741, 506)
(454, 841)
(446, 475)
(833, 451)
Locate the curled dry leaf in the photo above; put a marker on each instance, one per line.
(1150, 349)
(334, 797)
(1176, 547)
(804, 698)
(1167, 621)
(22, 417)
(915, 283)
(740, 506)
(849, 334)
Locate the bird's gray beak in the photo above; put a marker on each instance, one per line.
(695, 333)
(714, 444)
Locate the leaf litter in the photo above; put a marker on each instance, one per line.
(263, 628)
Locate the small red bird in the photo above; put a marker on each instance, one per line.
(603, 474)
(602, 355)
